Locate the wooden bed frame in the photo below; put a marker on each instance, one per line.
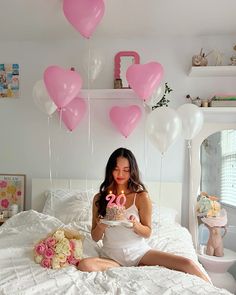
(171, 192)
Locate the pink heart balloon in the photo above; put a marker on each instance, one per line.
(62, 85)
(144, 79)
(84, 15)
(125, 119)
(73, 112)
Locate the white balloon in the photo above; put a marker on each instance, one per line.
(42, 98)
(158, 93)
(192, 120)
(163, 127)
(155, 97)
(93, 62)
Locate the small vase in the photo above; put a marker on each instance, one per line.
(215, 242)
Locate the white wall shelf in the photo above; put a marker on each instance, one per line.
(222, 110)
(213, 71)
(108, 93)
(221, 115)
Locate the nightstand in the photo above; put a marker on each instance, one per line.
(217, 268)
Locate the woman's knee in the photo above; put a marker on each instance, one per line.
(87, 264)
(189, 265)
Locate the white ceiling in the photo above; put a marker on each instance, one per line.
(44, 20)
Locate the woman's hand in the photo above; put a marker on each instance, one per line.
(101, 225)
(136, 224)
(139, 228)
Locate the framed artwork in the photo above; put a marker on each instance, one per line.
(12, 191)
(9, 80)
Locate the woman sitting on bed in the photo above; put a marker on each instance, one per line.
(124, 246)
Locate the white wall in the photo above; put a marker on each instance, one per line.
(24, 131)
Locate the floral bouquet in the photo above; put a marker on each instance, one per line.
(209, 209)
(59, 249)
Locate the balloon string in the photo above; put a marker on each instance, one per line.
(159, 195)
(89, 111)
(145, 147)
(49, 152)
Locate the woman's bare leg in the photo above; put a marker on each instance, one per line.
(96, 264)
(171, 261)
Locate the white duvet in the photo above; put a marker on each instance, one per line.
(19, 274)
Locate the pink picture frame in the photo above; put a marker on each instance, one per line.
(117, 62)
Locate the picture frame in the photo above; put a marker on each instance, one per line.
(9, 80)
(12, 193)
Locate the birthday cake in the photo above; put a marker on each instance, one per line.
(115, 210)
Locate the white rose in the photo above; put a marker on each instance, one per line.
(59, 235)
(78, 252)
(55, 263)
(38, 258)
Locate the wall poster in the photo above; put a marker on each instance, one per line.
(9, 81)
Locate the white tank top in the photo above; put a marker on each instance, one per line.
(120, 236)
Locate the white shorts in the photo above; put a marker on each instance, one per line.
(127, 256)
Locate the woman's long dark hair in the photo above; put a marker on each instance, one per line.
(134, 184)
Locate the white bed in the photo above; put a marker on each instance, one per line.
(19, 274)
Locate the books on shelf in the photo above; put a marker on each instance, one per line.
(223, 101)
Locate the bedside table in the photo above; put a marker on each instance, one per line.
(217, 268)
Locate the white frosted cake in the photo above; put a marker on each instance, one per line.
(115, 212)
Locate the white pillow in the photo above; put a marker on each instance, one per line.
(163, 214)
(69, 205)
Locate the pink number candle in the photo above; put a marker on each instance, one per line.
(110, 197)
(121, 199)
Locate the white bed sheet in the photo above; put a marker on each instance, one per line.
(19, 274)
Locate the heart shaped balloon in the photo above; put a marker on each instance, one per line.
(125, 119)
(144, 78)
(62, 84)
(73, 112)
(84, 15)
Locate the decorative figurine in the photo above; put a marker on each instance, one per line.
(197, 101)
(200, 60)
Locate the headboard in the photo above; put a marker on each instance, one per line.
(171, 192)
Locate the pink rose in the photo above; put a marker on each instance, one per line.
(18, 193)
(48, 253)
(5, 203)
(50, 242)
(40, 248)
(72, 260)
(3, 184)
(46, 262)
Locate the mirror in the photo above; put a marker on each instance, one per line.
(215, 121)
(218, 166)
(123, 60)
